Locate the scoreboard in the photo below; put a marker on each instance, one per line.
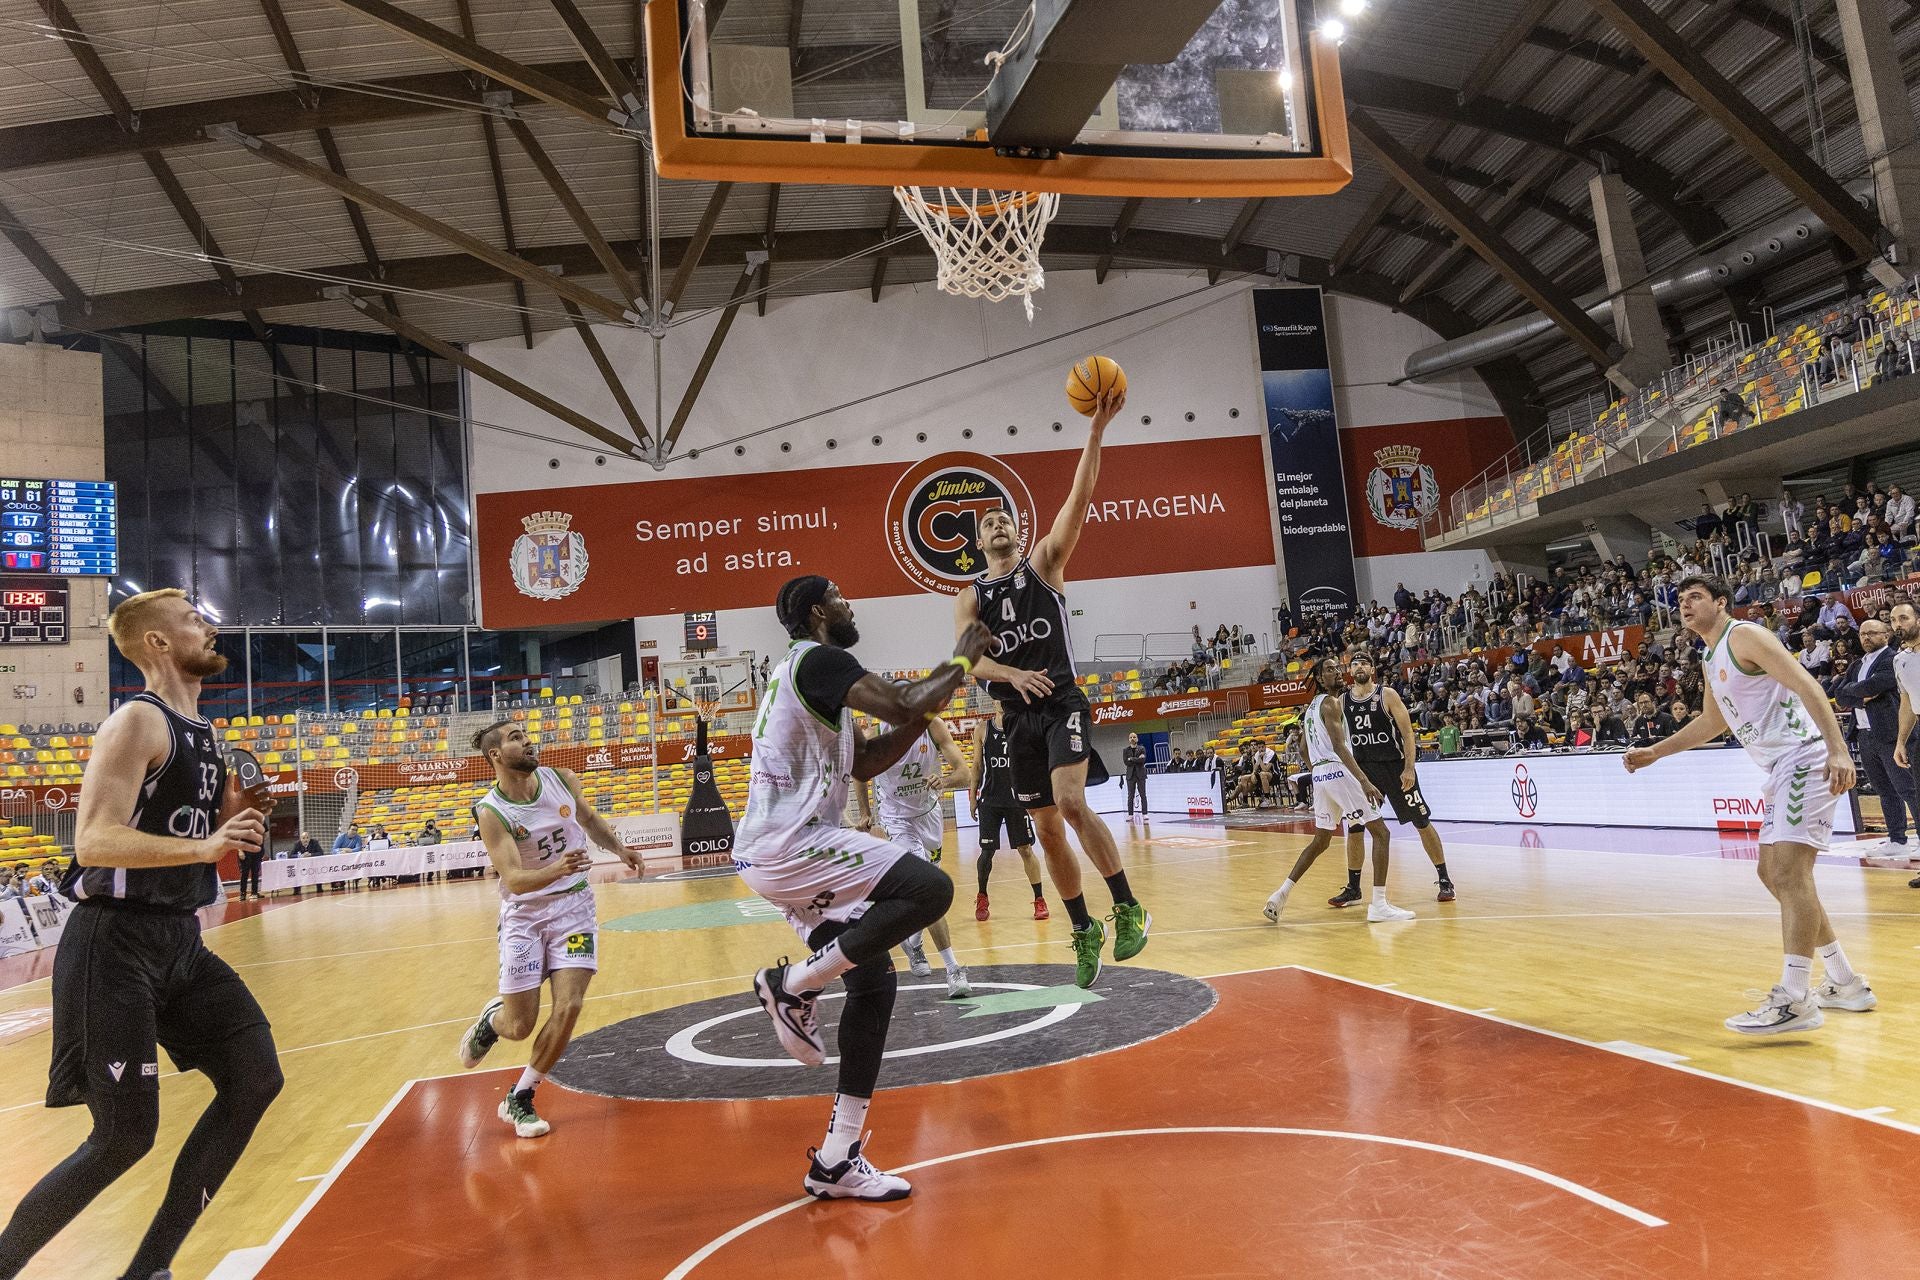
(33, 611)
(69, 528)
(702, 631)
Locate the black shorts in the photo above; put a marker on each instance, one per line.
(126, 981)
(1408, 805)
(1044, 736)
(1013, 820)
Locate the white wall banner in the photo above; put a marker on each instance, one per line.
(414, 860)
(651, 835)
(1191, 795)
(16, 931)
(1710, 789)
(49, 916)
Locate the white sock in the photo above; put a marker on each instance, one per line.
(1834, 961)
(948, 959)
(818, 969)
(849, 1120)
(1380, 895)
(528, 1079)
(1796, 975)
(1286, 887)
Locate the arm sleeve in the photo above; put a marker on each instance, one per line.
(824, 676)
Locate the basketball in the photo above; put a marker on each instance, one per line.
(1091, 377)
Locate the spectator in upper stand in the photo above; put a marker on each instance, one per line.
(1707, 522)
(1899, 512)
(1792, 511)
(1891, 362)
(1200, 650)
(1402, 598)
(1733, 410)
(1267, 674)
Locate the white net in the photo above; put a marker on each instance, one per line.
(987, 243)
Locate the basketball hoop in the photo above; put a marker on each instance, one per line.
(987, 243)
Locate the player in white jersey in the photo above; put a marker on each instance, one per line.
(536, 824)
(1342, 792)
(1758, 692)
(852, 896)
(904, 803)
(1906, 673)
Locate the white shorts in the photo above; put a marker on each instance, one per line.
(1338, 797)
(539, 935)
(920, 836)
(831, 877)
(1799, 803)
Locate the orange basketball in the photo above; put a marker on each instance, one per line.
(1089, 379)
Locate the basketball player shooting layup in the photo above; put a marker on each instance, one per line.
(1048, 718)
(1342, 792)
(1761, 694)
(853, 897)
(536, 824)
(158, 810)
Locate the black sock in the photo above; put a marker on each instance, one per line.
(1353, 879)
(1117, 886)
(1037, 895)
(1077, 910)
(1441, 867)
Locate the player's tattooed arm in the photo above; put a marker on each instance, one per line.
(916, 702)
(598, 829)
(1051, 556)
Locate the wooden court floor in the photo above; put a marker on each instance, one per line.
(1532, 1080)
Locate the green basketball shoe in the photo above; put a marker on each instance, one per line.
(1131, 922)
(1086, 945)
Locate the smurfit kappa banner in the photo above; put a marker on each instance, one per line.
(1309, 484)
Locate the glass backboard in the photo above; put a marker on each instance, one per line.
(1242, 110)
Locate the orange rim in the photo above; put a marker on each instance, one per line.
(1013, 200)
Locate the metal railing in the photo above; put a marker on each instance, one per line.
(1662, 418)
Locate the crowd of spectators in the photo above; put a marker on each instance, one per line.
(1788, 572)
(24, 880)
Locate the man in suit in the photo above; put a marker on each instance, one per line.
(1871, 693)
(1134, 758)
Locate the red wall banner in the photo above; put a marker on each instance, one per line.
(598, 552)
(1396, 472)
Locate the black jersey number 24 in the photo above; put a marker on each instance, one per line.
(1006, 610)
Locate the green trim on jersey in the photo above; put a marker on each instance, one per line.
(1733, 657)
(811, 710)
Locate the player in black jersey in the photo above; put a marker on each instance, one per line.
(998, 812)
(157, 812)
(1029, 669)
(1384, 746)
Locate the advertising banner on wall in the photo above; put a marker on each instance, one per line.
(1303, 437)
(1708, 789)
(596, 552)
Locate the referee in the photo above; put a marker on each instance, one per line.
(1383, 746)
(131, 974)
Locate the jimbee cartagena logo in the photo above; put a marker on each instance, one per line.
(933, 517)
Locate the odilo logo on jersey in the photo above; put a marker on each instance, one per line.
(189, 823)
(1021, 633)
(933, 517)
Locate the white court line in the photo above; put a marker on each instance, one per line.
(1539, 1175)
(1834, 1107)
(1630, 1049)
